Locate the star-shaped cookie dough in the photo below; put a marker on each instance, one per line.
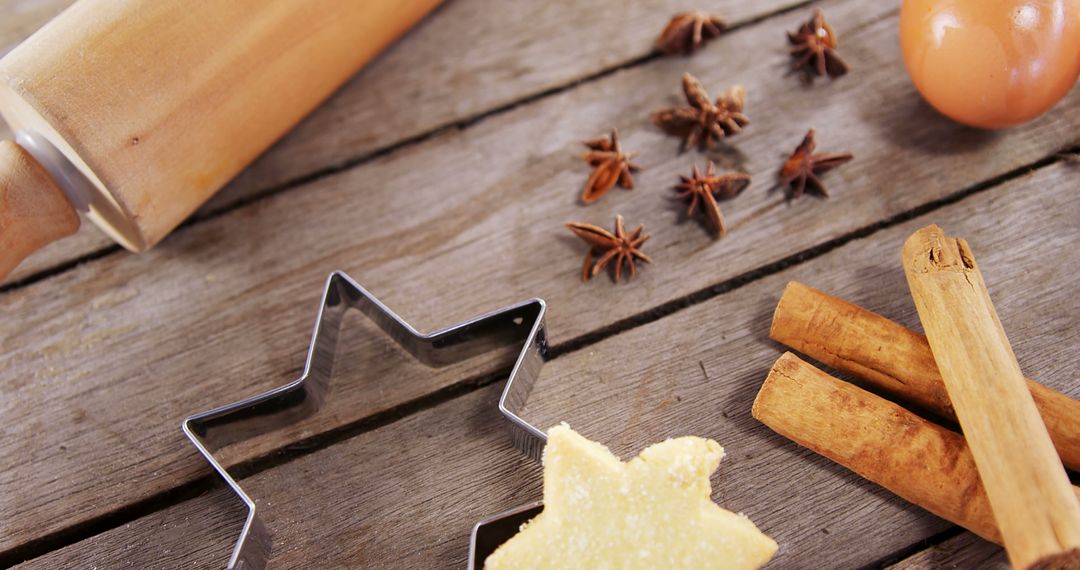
(653, 511)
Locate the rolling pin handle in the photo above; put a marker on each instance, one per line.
(34, 211)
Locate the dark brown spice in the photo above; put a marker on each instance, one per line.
(704, 122)
(800, 171)
(813, 48)
(688, 31)
(619, 247)
(610, 166)
(704, 189)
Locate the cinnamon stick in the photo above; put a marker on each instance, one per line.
(922, 462)
(1036, 510)
(892, 359)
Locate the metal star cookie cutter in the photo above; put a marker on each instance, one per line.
(519, 323)
(491, 532)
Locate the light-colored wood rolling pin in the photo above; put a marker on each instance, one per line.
(137, 111)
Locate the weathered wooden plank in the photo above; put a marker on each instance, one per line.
(457, 225)
(963, 551)
(22, 18)
(466, 58)
(378, 500)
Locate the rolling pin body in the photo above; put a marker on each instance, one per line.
(157, 104)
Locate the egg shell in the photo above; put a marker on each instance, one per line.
(991, 63)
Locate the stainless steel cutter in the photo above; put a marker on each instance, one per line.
(522, 323)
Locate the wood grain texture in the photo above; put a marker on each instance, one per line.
(465, 59)
(161, 104)
(460, 224)
(376, 500)
(33, 211)
(963, 551)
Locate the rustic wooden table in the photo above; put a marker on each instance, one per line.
(440, 178)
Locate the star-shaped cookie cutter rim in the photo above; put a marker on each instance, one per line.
(493, 531)
(212, 430)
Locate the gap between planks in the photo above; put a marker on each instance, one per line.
(927, 172)
(916, 549)
(294, 450)
(963, 550)
(462, 123)
(1020, 199)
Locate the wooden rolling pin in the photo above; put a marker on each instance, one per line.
(137, 111)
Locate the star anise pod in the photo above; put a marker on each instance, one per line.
(704, 189)
(704, 122)
(619, 247)
(802, 168)
(814, 48)
(688, 31)
(610, 166)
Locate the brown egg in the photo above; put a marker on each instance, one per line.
(991, 63)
